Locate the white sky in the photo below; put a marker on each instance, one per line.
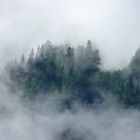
(114, 25)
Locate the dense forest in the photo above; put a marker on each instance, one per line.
(76, 72)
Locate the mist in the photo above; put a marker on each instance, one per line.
(112, 24)
(28, 111)
(44, 119)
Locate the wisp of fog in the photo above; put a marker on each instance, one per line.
(43, 119)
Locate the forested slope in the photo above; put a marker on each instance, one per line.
(75, 71)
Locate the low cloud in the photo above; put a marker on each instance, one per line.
(45, 119)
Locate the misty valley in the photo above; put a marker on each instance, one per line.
(63, 92)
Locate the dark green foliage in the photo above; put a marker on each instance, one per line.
(76, 72)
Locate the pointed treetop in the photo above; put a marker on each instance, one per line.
(89, 44)
(22, 61)
(70, 51)
(31, 53)
(38, 48)
(48, 43)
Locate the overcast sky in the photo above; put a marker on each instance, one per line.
(114, 25)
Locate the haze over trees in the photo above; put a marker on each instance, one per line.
(74, 71)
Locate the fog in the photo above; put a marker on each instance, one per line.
(112, 24)
(45, 119)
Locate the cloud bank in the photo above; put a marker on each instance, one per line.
(45, 119)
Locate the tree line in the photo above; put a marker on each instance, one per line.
(75, 71)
